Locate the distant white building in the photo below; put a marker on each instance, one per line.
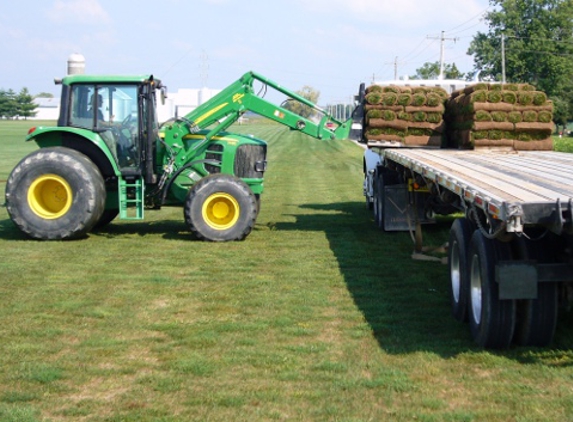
(48, 109)
(177, 104)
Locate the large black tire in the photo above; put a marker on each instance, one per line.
(107, 217)
(369, 200)
(492, 321)
(537, 318)
(220, 208)
(379, 200)
(55, 193)
(458, 251)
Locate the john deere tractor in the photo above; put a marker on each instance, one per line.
(108, 157)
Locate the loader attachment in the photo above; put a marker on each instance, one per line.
(225, 108)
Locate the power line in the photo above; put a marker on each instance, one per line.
(407, 56)
(467, 29)
(479, 15)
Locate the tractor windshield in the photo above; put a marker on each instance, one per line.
(111, 111)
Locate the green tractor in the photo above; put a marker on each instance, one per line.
(108, 157)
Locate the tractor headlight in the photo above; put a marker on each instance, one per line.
(261, 166)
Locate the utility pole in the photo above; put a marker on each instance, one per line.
(442, 39)
(395, 63)
(204, 68)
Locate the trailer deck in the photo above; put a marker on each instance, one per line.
(519, 188)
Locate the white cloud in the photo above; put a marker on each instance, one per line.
(78, 11)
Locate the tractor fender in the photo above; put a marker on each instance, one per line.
(85, 141)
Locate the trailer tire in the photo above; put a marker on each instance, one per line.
(55, 194)
(458, 251)
(220, 208)
(492, 321)
(379, 200)
(537, 318)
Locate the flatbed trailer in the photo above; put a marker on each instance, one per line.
(515, 188)
(510, 253)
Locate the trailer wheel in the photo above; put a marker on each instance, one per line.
(492, 321)
(220, 208)
(460, 237)
(537, 318)
(55, 193)
(379, 200)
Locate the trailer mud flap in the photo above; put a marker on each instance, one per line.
(398, 209)
(516, 280)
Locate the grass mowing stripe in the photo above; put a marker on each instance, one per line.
(316, 316)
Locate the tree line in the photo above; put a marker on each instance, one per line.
(17, 105)
(532, 40)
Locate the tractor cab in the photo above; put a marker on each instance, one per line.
(121, 110)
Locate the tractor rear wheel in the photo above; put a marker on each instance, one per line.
(107, 217)
(220, 208)
(55, 193)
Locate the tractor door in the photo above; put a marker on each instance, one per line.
(113, 112)
(149, 131)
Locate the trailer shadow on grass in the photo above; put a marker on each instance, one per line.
(405, 301)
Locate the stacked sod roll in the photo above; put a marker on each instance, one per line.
(514, 116)
(406, 115)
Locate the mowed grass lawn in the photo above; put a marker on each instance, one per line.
(316, 316)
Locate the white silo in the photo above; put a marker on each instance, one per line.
(76, 64)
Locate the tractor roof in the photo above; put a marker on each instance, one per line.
(105, 79)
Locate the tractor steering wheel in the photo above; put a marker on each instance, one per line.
(127, 120)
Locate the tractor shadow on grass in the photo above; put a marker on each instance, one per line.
(169, 229)
(405, 301)
(8, 231)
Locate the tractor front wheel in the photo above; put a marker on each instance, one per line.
(55, 193)
(220, 208)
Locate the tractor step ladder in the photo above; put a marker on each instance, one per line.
(131, 198)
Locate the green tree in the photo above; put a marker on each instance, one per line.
(8, 104)
(538, 46)
(561, 112)
(432, 71)
(308, 93)
(44, 95)
(26, 105)
(538, 37)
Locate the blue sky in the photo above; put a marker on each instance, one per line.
(331, 45)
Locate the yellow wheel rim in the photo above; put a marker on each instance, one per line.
(50, 196)
(221, 211)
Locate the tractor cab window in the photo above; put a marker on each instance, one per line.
(112, 112)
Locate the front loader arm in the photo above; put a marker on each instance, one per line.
(225, 108)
